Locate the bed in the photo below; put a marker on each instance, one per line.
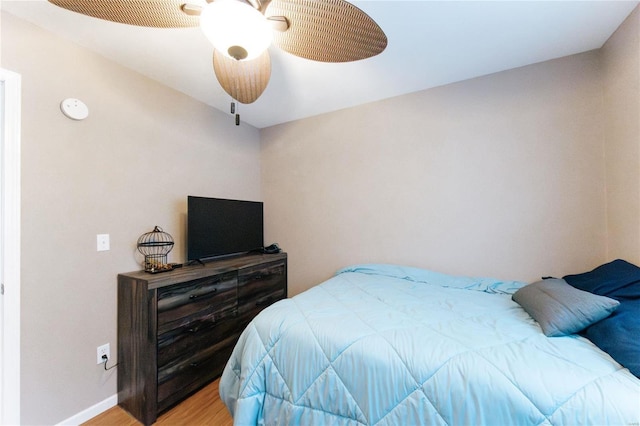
(394, 345)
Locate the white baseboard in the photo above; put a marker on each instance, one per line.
(90, 412)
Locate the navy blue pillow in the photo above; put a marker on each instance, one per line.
(617, 279)
(617, 334)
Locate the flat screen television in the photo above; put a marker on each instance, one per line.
(219, 227)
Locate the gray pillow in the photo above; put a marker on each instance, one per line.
(561, 309)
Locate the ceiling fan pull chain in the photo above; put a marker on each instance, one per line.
(233, 107)
(236, 111)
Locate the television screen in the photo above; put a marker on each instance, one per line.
(218, 227)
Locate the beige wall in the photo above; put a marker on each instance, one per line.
(126, 168)
(621, 60)
(501, 176)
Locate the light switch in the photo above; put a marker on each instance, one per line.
(103, 242)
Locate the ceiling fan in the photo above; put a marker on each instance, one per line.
(242, 30)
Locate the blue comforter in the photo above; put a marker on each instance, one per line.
(390, 345)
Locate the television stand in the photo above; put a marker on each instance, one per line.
(176, 330)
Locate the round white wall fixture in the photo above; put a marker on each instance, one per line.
(75, 109)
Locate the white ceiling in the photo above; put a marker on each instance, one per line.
(431, 43)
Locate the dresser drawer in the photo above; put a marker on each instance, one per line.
(263, 279)
(248, 308)
(180, 304)
(197, 335)
(178, 380)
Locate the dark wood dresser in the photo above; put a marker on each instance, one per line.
(176, 329)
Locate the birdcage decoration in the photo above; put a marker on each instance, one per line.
(155, 246)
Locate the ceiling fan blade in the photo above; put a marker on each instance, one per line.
(326, 30)
(244, 81)
(145, 13)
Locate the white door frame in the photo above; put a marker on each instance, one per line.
(10, 237)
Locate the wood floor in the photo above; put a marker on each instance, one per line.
(202, 408)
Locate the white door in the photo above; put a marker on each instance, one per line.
(10, 108)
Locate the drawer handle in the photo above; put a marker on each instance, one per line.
(264, 302)
(195, 296)
(199, 327)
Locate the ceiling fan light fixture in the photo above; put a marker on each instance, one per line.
(236, 29)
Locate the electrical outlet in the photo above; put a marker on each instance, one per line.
(103, 350)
